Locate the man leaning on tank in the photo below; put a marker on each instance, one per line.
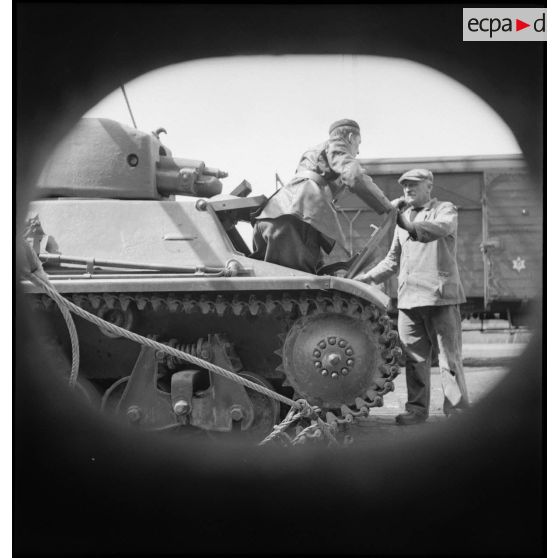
(423, 250)
(299, 220)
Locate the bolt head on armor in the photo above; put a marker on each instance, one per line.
(333, 359)
(237, 413)
(181, 407)
(134, 413)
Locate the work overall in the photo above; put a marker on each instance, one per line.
(429, 293)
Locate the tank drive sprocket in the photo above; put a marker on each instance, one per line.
(331, 359)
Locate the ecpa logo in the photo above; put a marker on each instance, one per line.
(504, 24)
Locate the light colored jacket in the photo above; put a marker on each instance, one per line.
(312, 200)
(427, 265)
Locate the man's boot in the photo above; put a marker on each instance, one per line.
(418, 393)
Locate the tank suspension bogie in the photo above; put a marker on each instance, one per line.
(216, 404)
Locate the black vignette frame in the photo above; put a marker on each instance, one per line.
(82, 488)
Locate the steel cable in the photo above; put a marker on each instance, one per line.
(74, 339)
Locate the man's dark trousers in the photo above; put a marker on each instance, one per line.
(288, 241)
(421, 329)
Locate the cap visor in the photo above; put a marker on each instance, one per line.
(410, 179)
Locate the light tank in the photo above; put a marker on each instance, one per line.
(147, 241)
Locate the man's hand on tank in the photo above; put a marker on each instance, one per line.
(363, 278)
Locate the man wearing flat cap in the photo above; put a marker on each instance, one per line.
(423, 250)
(299, 220)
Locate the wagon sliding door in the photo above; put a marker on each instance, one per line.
(512, 217)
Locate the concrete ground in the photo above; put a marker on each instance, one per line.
(485, 365)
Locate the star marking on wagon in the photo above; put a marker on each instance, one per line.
(518, 264)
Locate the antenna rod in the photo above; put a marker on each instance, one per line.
(129, 107)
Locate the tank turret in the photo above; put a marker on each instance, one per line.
(102, 158)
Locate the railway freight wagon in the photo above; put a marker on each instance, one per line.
(500, 227)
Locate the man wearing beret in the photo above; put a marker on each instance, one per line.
(299, 220)
(424, 252)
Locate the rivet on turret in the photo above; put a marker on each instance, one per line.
(350, 362)
(324, 372)
(342, 343)
(317, 353)
(332, 340)
(349, 351)
(317, 364)
(334, 375)
(344, 371)
(322, 344)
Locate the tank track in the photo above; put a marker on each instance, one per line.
(288, 306)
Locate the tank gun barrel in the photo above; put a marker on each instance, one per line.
(188, 177)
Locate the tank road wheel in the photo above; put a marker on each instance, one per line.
(331, 359)
(266, 410)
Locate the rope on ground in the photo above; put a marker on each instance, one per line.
(279, 429)
(317, 428)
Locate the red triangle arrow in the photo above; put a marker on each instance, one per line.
(519, 25)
